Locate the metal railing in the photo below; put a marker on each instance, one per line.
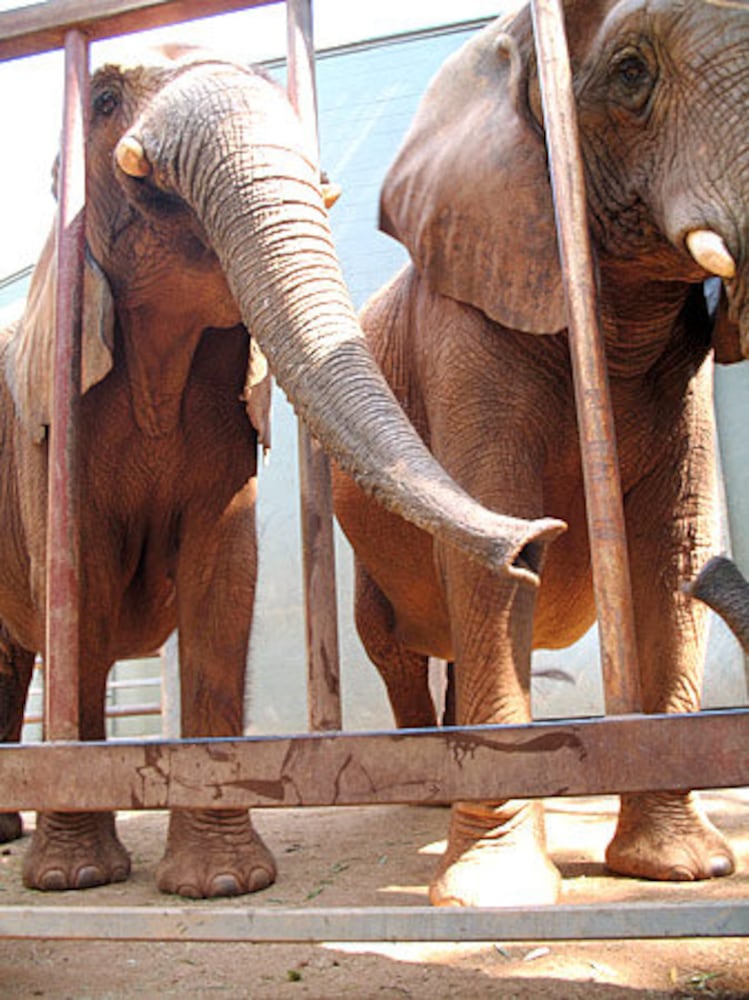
(129, 698)
(616, 754)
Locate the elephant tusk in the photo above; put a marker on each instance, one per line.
(131, 157)
(711, 253)
(330, 194)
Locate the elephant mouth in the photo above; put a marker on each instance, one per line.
(172, 224)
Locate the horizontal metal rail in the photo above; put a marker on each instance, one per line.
(41, 27)
(406, 923)
(112, 712)
(587, 757)
(113, 687)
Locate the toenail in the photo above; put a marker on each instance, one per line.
(89, 876)
(224, 885)
(190, 891)
(259, 879)
(721, 865)
(680, 874)
(53, 881)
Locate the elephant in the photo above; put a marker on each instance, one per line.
(472, 337)
(208, 257)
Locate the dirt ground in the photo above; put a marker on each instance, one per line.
(383, 856)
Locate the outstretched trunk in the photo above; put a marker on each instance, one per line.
(721, 586)
(259, 200)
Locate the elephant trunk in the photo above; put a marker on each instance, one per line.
(721, 586)
(258, 198)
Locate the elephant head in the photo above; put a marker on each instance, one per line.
(191, 155)
(662, 92)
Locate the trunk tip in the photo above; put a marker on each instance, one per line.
(518, 549)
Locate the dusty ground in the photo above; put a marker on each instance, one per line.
(384, 856)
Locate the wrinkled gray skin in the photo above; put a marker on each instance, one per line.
(205, 220)
(472, 339)
(721, 585)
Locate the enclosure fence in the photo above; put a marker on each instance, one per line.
(624, 752)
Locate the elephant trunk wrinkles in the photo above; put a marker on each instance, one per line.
(721, 586)
(265, 219)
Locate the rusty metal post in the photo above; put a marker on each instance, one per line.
(595, 419)
(318, 552)
(62, 612)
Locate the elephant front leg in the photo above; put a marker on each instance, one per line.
(74, 851)
(496, 851)
(666, 835)
(78, 850)
(16, 666)
(212, 853)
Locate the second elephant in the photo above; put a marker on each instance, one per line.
(472, 338)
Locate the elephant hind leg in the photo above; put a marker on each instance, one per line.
(16, 667)
(404, 672)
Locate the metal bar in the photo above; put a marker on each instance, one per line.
(595, 420)
(588, 757)
(62, 640)
(406, 923)
(43, 26)
(122, 712)
(136, 682)
(316, 502)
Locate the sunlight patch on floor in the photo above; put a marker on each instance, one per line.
(436, 848)
(404, 890)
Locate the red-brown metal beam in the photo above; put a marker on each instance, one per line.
(588, 757)
(40, 27)
(316, 505)
(603, 496)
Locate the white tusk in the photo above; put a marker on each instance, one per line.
(711, 253)
(330, 194)
(131, 157)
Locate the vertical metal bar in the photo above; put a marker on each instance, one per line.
(323, 670)
(595, 419)
(62, 611)
(171, 722)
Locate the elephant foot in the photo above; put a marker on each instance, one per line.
(213, 853)
(496, 856)
(666, 836)
(74, 851)
(11, 827)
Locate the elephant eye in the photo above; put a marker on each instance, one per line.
(632, 79)
(106, 101)
(631, 72)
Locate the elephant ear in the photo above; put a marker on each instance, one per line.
(258, 390)
(469, 192)
(31, 351)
